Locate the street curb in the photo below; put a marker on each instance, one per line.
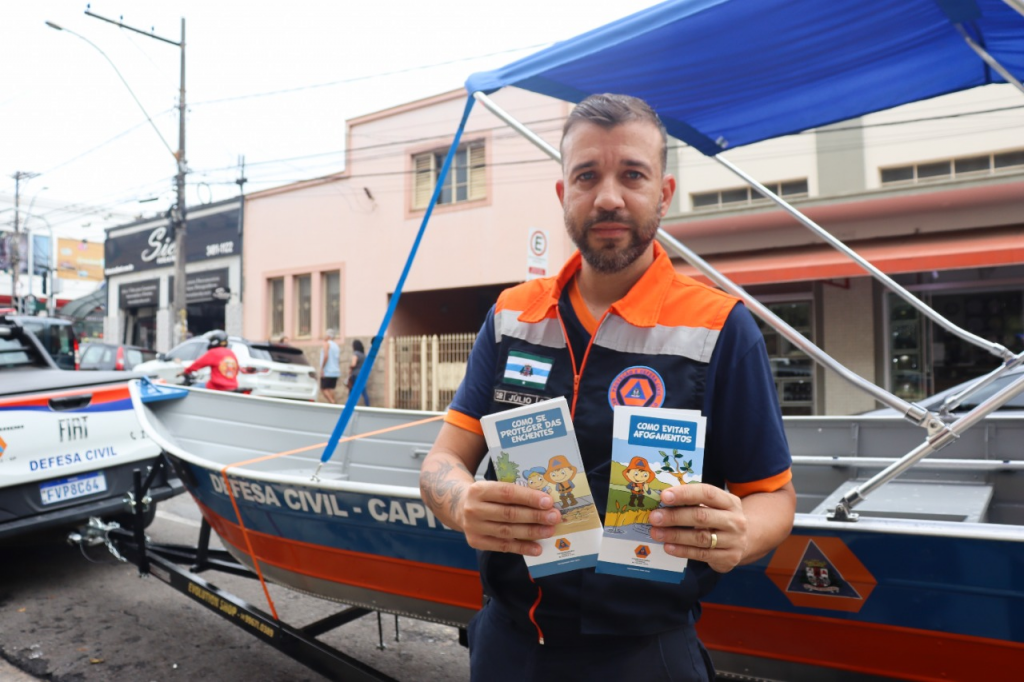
(8, 673)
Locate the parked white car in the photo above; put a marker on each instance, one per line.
(267, 369)
(934, 403)
(70, 442)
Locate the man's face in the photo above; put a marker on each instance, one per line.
(613, 192)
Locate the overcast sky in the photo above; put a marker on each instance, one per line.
(272, 81)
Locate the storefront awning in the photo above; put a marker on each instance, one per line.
(942, 251)
(80, 308)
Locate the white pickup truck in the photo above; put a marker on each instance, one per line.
(69, 442)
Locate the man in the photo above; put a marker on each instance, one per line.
(617, 326)
(330, 366)
(222, 363)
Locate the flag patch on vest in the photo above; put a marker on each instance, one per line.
(637, 386)
(523, 369)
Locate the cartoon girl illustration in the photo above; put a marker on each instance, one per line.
(638, 475)
(561, 473)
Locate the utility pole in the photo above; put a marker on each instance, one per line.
(16, 244)
(179, 309)
(179, 216)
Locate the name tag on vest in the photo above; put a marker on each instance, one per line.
(503, 395)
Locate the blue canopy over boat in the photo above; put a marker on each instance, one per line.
(727, 73)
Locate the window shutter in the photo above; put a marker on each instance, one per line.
(423, 180)
(477, 172)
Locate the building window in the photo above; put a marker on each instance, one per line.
(331, 288)
(960, 167)
(303, 305)
(276, 307)
(792, 369)
(466, 181)
(747, 196)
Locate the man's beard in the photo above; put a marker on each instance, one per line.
(609, 259)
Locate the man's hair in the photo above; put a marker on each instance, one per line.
(331, 333)
(610, 110)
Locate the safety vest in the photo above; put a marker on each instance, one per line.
(652, 349)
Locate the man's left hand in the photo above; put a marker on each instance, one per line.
(704, 523)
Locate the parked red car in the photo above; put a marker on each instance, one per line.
(98, 355)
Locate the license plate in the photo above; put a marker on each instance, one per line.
(289, 376)
(70, 488)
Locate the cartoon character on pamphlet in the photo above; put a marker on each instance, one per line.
(638, 476)
(561, 472)
(535, 479)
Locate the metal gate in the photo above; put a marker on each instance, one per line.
(425, 371)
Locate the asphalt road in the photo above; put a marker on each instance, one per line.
(74, 616)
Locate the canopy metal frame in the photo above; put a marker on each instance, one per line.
(939, 433)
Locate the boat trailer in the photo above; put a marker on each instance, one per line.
(179, 567)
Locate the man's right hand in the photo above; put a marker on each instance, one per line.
(495, 516)
(504, 517)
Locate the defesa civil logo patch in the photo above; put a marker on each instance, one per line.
(637, 386)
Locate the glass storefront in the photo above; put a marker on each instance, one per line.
(140, 329)
(205, 317)
(924, 358)
(792, 368)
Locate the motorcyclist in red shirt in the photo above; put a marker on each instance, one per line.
(222, 363)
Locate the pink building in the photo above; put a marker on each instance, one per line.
(327, 253)
(932, 193)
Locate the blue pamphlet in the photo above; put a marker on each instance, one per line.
(653, 449)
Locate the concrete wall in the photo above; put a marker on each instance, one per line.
(840, 158)
(360, 223)
(849, 332)
(941, 131)
(787, 158)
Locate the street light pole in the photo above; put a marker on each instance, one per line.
(179, 222)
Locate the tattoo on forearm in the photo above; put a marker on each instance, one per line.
(436, 487)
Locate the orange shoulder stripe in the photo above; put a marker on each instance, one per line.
(765, 485)
(692, 304)
(534, 300)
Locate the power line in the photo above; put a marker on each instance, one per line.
(87, 209)
(356, 79)
(102, 144)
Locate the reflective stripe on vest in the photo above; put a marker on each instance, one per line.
(696, 343)
(547, 332)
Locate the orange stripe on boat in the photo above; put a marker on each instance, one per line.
(868, 648)
(100, 395)
(430, 582)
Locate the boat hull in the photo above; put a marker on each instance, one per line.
(382, 552)
(916, 606)
(917, 596)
